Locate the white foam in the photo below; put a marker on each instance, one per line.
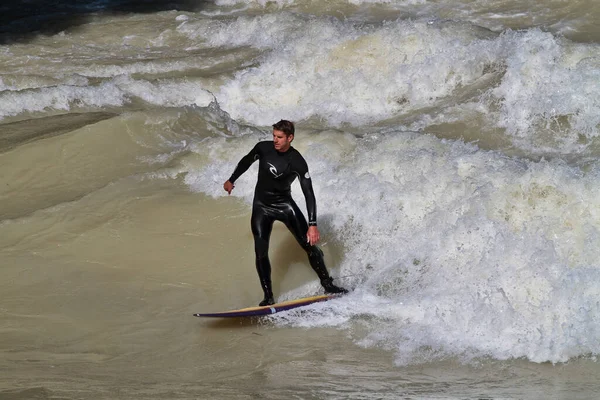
(393, 67)
(204, 98)
(284, 3)
(260, 3)
(546, 94)
(451, 250)
(547, 80)
(113, 92)
(23, 82)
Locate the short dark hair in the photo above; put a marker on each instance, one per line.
(285, 126)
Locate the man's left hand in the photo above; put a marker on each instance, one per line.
(312, 236)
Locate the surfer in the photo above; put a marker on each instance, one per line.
(279, 165)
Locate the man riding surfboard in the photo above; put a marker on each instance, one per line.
(279, 165)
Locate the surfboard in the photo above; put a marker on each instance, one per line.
(267, 310)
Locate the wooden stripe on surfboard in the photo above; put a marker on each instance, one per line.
(266, 310)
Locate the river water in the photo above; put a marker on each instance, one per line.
(453, 148)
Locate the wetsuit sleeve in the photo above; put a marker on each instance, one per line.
(306, 184)
(245, 163)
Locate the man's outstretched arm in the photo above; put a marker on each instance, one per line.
(242, 167)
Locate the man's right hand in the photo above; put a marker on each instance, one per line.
(228, 186)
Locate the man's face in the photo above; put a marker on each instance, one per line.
(281, 141)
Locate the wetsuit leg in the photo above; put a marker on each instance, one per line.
(296, 223)
(262, 225)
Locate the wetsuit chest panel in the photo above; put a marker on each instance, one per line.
(275, 173)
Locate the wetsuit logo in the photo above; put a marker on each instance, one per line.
(307, 175)
(274, 170)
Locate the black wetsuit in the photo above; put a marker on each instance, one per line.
(273, 201)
